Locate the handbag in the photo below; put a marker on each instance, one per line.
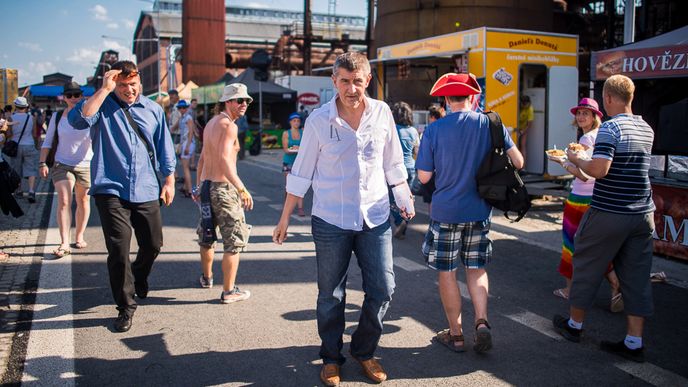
(50, 159)
(11, 147)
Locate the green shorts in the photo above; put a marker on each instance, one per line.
(228, 216)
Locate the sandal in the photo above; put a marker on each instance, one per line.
(61, 252)
(450, 341)
(561, 293)
(483, 337)
(617, 304)
(80, 245)
(4, 255)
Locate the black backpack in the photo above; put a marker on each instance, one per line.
(498, 180)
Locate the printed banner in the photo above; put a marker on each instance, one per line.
(659, 62)
(671, 221)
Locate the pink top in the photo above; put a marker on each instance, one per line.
(580, 187)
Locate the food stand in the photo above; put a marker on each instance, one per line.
(508, 64)
(659, 69)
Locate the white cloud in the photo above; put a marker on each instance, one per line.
(30, 46)
(112, 26)
(129, 24)
(254, 4)
(99, 12)
(34, 72)
(124, 51)
(84, 56)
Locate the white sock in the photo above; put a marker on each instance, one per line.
(633, 342)
(575, 325)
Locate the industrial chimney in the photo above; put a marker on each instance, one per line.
(203, 40)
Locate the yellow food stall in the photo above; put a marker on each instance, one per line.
(508, 64)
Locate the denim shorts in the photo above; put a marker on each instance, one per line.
(445, 243)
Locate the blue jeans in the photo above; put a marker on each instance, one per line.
(395, 215)
(333, 248)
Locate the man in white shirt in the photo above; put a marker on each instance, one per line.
(350, 147)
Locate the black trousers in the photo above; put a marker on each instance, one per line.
(117, 217)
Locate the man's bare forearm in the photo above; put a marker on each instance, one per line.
(94, 103)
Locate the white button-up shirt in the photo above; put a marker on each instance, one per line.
(349, 169)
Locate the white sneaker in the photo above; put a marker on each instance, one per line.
(234, 295)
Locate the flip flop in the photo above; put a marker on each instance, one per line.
(61, 253)
(561, 293)
(80, 245)
(448, 340)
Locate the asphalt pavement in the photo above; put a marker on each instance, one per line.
(182, 335)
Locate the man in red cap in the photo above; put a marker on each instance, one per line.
(452, 148)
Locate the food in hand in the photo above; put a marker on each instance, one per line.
(575, 147)
(555, 153)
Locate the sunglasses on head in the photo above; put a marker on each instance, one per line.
(72, 95)
(242, 100)
(128, 75)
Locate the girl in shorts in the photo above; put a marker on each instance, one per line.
(291, 139)
(71, 171)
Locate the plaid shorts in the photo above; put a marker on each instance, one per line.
(445, 242)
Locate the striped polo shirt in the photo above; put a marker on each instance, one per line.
(626, 140)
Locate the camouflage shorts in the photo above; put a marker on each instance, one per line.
(228, 215)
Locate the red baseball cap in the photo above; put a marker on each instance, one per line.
(456, 85)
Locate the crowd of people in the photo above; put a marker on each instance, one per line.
(120, 148)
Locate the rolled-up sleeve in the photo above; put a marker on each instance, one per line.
(164, 147)
(301, 176)
(393, 155)
(78, 120)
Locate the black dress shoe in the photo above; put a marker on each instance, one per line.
(141, 288)
(123, 322)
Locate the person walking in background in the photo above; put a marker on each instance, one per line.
(587, 121)
(8, 179)
(242, 124)
(452, 149)
(408, 136)
(526, 115)
(435, 112)
(187, 146)
(349, 154)
(619, 225)
(173, 115)
(131, 144)
(291, 139)
(222, 195)
(26, 161)
(71, 171)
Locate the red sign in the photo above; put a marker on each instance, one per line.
(671, 221)
(309, 99)
(659, 62)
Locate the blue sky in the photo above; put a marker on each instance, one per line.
(47, 36)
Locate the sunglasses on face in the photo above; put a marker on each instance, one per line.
(242, 100)
(72, 95)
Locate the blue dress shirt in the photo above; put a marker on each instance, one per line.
(120, 164)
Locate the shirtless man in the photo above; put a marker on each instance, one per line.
(222, 195)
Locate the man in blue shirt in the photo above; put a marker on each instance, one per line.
(452, 148)
(131, 144)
